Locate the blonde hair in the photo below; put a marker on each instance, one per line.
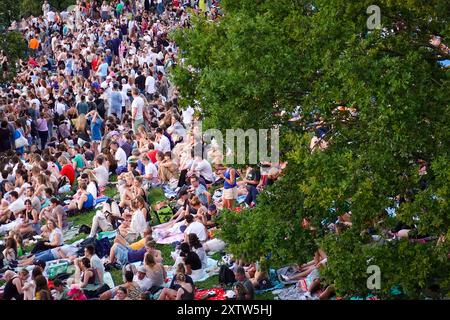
(80, 124)
(63, 160)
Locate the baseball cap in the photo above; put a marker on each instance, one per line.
(108, 78)
(40, 263)
(212, 207)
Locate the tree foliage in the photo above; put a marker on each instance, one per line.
(263, 57)
(14, 46)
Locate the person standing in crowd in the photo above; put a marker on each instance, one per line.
(137, 110)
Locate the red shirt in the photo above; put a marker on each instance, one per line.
(69, 172)
(152, 155)
(94, 64)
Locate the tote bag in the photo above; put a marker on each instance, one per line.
(21, 141)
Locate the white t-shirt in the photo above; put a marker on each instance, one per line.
(97, 264)
(53, 234)
(25, 186)
(126, 87)
(150, 168)
(157, 146)
(204, 169)
(17, 206)
(121, 157)
(92, 189)
(102, 175)
(165, 143)
(60, 108)
(138, 104)
(51, 16)
(144, 284)
(138, 223)
(197, 228)
(150, 85)
(37, 102)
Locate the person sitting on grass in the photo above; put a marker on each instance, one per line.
(54, 235)
(242, 278)
(155, 272)
(191, 262)
(123, 255)
(61, 291)
(172, 292)
(133, 288)
(82, 200)
(30, 224)
(85, 275)
(305, 269)
(14, 284)
(186, 290)
(138, 244)
(197, 247)
(42, 291)
(122, 294)
(54, 212)
(10, 251)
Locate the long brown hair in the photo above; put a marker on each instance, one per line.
(150, 260)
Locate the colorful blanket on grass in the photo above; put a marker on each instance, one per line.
(219, 294)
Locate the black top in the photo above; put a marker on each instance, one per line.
(5, 139)
(254, 175)
(140, 82)
(175, 286)
(11, 292)
(187, 295)
(193, 260)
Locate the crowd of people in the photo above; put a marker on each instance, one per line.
(93, 101)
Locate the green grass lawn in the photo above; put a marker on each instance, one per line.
(156, 195)
(83, 218)
(110, 192)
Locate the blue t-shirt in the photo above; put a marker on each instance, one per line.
(96, 129)
(103, 69)
(108, 59)
(116, 100)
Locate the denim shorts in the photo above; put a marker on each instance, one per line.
(121, 254)
(46, 256)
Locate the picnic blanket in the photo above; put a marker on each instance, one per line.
(276, 283)
(70, 233)
(219, 294)
(296, 292)
(210, 270)
(288, 272)
(178, 237)
(168, 236)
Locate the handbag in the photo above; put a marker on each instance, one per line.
(21, 141)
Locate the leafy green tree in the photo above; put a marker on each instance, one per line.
(14, 46)
(264, 57)
(9, 12)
